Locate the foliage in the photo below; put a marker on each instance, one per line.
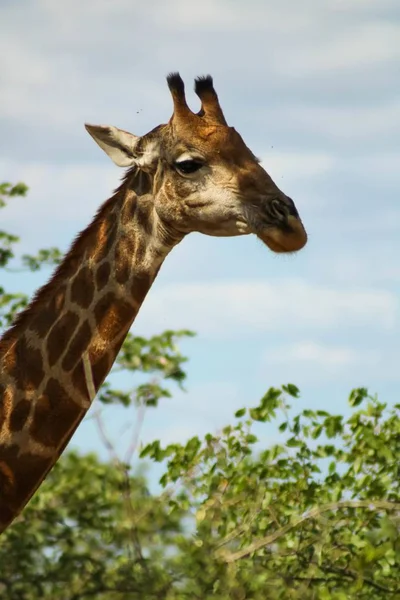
(315, 517)
(82, 536)
(50, 256)
(159, 356)
(10, 304)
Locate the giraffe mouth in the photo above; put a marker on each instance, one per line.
(284, 238)
(277, 224)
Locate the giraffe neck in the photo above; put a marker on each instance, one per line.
(61, 348)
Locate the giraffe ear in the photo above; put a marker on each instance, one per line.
(117, 143)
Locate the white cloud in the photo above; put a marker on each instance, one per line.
(61, 58)
(15, 53)
(374, 227)
(313, 362)
(357, 45)
(301, 167)
(384, 163)
(297, 165)
(377, 265)
(314, 354)
(227, 16)
(355, 6)
(241, 308)
(349, 123)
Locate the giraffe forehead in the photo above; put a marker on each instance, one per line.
(212, 142)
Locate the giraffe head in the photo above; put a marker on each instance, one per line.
(202, 176)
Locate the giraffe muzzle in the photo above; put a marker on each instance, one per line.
(283, 230)
(288, 237)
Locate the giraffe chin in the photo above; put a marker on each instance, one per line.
(282, 241)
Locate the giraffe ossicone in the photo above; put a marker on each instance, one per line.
(194, 173)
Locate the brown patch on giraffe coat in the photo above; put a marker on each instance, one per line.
(113, 316)
(103, 275)
(144, 219)
(54, 416)
(100, 370)
(19, 415)
(124, 253)
(43, 321)
(6, 477)
(82, 288)
(77, 346)
(60, 336)
(30, 469)
(140, 286)
(25, 364)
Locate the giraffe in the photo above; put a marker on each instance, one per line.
(193, 173)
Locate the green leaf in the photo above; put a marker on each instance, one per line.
(292, 390)
(240, 413)
(332, 467)
(357, 396)
(45, 257)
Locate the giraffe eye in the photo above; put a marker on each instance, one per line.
(188, 166)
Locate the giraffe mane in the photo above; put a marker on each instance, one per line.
(42, 295)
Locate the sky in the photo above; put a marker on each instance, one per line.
(314, 89)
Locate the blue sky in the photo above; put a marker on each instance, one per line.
(313, 87)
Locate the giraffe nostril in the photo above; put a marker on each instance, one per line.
(279, 210)
(282, 208)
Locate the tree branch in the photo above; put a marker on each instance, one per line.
(230, 557)
(353, 575)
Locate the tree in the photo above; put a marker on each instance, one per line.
(315, 517)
